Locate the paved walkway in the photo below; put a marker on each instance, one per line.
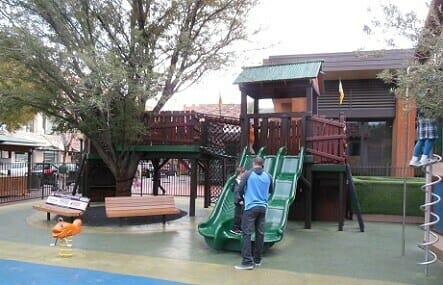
(150, 254)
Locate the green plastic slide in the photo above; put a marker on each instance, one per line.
(285, 170)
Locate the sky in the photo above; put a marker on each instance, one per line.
(295, 27)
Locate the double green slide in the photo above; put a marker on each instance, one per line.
(285, 170)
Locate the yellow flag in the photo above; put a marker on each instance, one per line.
(341, 92)
(219, 100)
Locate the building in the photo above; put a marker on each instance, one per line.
(37, 143)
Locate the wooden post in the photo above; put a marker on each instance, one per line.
(308, 196)
(243, 118)
(193, 185)
(284, 131)
(309, 100)
(207, 202)
(256, 112)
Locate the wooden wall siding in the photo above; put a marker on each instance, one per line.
(364, 99)
(327, 140)
(13, 186)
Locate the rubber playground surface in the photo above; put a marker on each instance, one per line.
(176, 254)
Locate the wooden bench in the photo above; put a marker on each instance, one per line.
(137, 206)
(64, 205)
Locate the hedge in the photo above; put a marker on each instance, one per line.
(384, 195)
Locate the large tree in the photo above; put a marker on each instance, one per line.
(13, 114)
(96, 63)
(422, 81)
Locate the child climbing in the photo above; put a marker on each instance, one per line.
(426, 135)
(238, 202)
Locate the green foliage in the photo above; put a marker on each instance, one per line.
(13, 113)
(92, 65)
(423, 80)
(384, 195)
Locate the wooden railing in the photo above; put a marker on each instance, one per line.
(277, 129)
(220, 134)
(173, 128)
(325, 139)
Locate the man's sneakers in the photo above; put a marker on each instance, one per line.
(244, 267)
(236, 232)
(247, 267)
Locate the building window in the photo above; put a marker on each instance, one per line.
(21, 157)
(50, 156)
(30, 126)
(369, 143)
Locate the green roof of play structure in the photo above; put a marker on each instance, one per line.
(301, 70)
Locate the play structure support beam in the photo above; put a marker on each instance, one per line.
(243, 118)
(309, 100)
(341, 210)
(308, 195)
(193, 185)
(207, 201)
(256, 111)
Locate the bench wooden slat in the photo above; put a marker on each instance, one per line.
(142, 207)
(140, 213)
(117, 207)
(67, 212)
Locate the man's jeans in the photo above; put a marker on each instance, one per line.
(253, 218)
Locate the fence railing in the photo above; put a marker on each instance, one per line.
(175, 178)
(386, 170)
(21, 181)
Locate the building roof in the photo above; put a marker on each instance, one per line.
(275, 72)
(12, 140)
(351, 65)
(227, 110)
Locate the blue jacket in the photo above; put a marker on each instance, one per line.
(255, 187)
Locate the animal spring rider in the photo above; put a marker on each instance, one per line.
(64, 231)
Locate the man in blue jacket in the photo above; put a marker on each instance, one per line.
(255, 186)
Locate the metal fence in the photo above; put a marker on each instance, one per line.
(21, 181)
(386, 170)
(176, 179)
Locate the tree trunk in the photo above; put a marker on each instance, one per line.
(122, 166)
(123, 187)
(125, 177)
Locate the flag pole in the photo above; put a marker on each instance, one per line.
(219, 104)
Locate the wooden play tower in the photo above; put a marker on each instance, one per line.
(201, 138)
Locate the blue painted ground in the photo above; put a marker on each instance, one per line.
(24, 273)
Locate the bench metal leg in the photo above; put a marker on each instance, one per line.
(48, 216)
(164, 219)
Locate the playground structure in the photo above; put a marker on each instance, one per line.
(207, 141)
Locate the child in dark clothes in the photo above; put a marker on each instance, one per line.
(238, 201)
